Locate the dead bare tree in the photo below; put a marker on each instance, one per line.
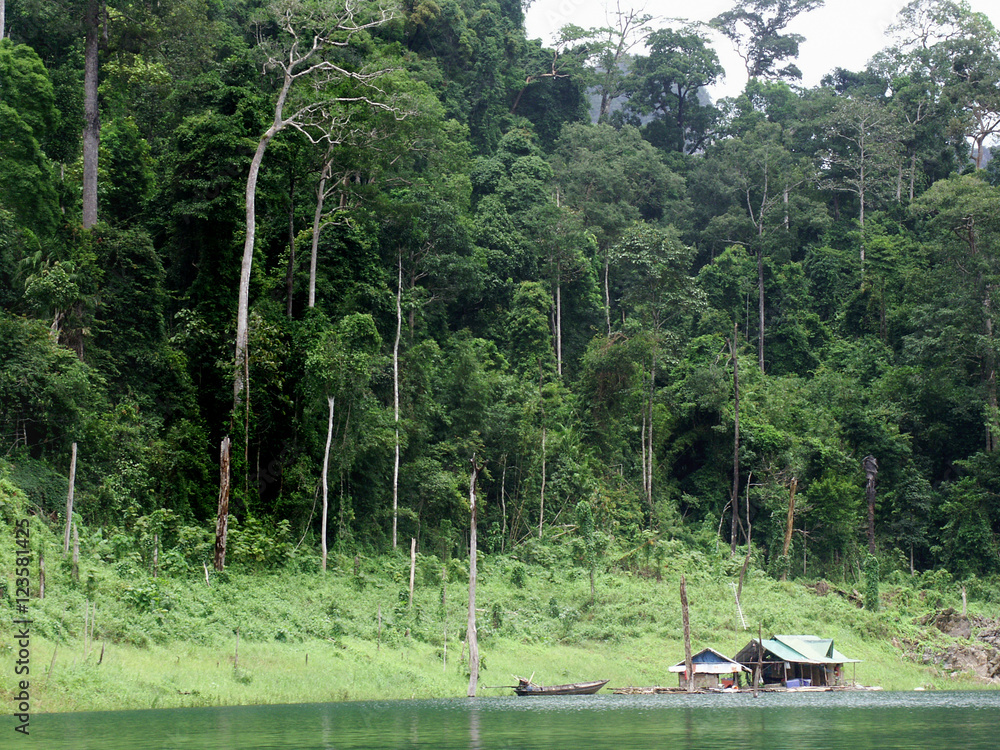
(311, 33)
(310, 101)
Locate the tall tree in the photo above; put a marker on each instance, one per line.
(953, 50)
(962, 210)
(754, 27)
(863, 156)
(762, 173)
(668, 84)
(609, 48)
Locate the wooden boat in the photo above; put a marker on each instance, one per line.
(526, 687)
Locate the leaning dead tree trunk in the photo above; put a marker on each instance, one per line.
(871, 472)
(69, 499)
(222, 521)
(471, 635)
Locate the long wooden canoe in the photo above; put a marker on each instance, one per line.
(574, 688)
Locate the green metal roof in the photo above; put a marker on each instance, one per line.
(805, 649)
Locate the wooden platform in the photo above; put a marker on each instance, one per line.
(658, 690)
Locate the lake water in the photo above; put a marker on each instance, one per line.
(838, 721)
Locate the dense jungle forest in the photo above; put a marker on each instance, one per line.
(376, 249)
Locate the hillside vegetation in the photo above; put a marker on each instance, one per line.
(299, 266)
(117, 637)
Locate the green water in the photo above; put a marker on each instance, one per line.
(840, 721)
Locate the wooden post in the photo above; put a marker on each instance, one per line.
(413, 568)
(471, 635)
(688, 665)
(76, 554)
(760, 659)
(69, 499)
(222, 521)
(789, 524)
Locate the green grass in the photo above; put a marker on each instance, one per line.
(351, 634)
(308, 637)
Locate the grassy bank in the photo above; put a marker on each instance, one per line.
(352, 633)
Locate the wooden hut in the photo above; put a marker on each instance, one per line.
(796, 661)
(711, 669)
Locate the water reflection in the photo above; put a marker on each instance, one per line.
(836, 721)
(474, 743)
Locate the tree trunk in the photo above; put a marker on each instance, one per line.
(861, 214)
(222, 520)
(69, 498)
(3, 17)
(648, 438)
(736, 441)
(760, 307)
(91, 113)
(317, 220)
(503, 503)
(642, 448)
(871, 472)
(240, 375)
(395, 397)
(290, 273)
(688, 665)
(541, 505)
(413, 569)
(607, 292)
(789, 524)
(559, 319)
(990, 375)
(471, 635)
(325, 481)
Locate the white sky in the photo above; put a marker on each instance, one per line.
(843, 33)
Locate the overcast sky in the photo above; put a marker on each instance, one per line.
(843, 33)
